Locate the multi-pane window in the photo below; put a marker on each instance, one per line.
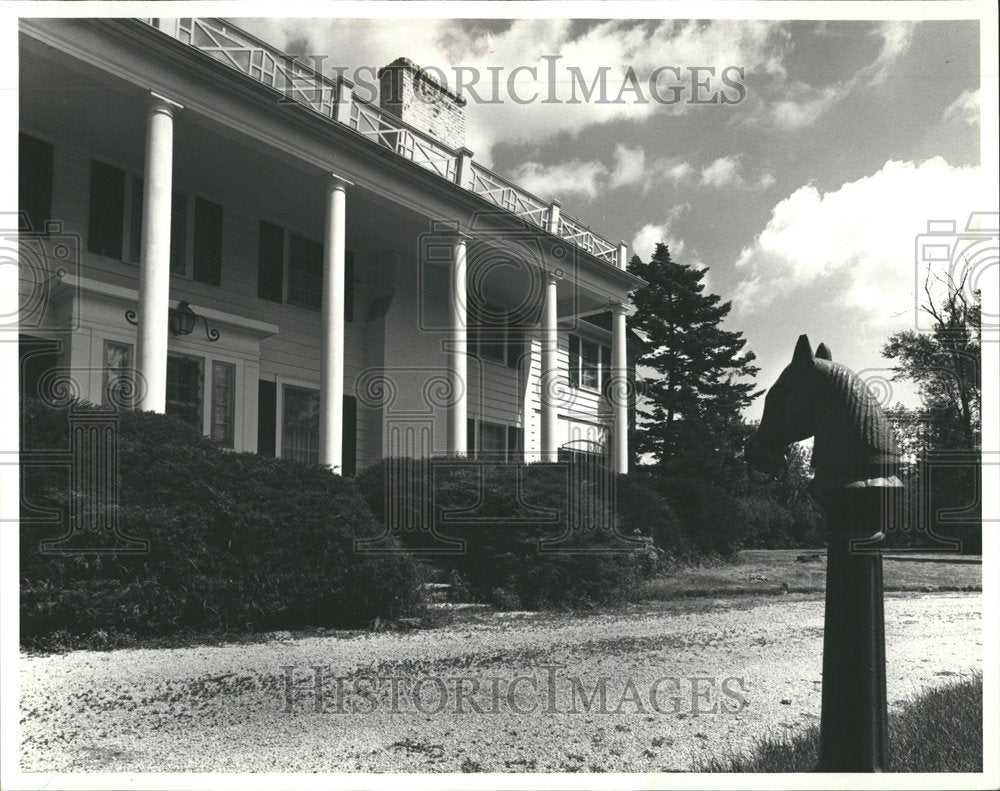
(304, 259)
(34, 183)
(118, 369)
(493, 336)
(270, 260)
(494, 441)
(107, 210)
(184, 388)
(135, 224)
(223, 401)
(113, 232)
(300, 425)
(305, 272)
(206, 261)
(589, 363)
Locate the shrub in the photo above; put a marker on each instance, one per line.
(709, 515)
(514, 531)
(237, 542)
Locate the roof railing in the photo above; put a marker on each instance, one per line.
(335, 99)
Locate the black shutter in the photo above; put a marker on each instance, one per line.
(349, 287)
(514, 447)
(107, 205)
(178, 233)
(349, 439)
(267, 417)
(270, 261)
(470, 433)
(34, 183)
(515, 345)
(574, 360)
(207, 242)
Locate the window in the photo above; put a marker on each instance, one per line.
(34, 183)
(135, 222)
(300, 425)
(606, 371)
(305, 272)
(184, 388)
(111, 235)
(207, 257)
(107, 208)
(270, 261)
(118, 368)
(492, 335)
(223, 399)
(585, 362)
(494, 441)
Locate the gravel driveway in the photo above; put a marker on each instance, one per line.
(514, 692)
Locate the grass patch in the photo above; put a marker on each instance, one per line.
(940, 730)
(778, 571)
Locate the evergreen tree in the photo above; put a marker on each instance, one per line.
(690, 415)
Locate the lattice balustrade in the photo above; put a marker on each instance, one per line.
(502, 193)
(297, 82)
(574, 231)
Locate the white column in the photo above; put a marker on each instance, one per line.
(331, 367)
(458, 363)
(619, 394)
(549, 380)
(154, 266)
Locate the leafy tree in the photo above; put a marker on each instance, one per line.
(690, 417)
(944, 365)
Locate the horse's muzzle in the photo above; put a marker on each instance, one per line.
(766, 459)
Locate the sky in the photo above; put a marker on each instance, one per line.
(803, 194)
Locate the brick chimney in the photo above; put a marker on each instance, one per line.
(422, 102)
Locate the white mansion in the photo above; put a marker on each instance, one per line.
(212, 230)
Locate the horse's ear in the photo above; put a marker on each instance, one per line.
(823, 352)
(803, 351)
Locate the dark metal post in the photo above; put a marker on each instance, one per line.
(853, 728)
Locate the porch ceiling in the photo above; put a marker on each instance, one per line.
(105, 119)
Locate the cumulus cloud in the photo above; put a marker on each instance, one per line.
(728, 172)
(856, 244)
(802, 104)
(588, 179)
(645, 241)
(805, 105)
(576, 178)
(965, 107)
(540, 49)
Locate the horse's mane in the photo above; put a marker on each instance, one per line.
(859, 432)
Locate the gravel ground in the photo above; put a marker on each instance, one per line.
(230, 708)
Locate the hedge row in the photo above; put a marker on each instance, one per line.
(236, 541)
(521, 535)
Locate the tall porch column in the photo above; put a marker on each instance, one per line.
(619, 393)
(549, 384)
(331, 368)
(458, 363)
(154, 264)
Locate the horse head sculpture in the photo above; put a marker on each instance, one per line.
(816, 397)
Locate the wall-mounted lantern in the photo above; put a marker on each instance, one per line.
(181, 321)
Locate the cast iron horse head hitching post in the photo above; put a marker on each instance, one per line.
(855, 458)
